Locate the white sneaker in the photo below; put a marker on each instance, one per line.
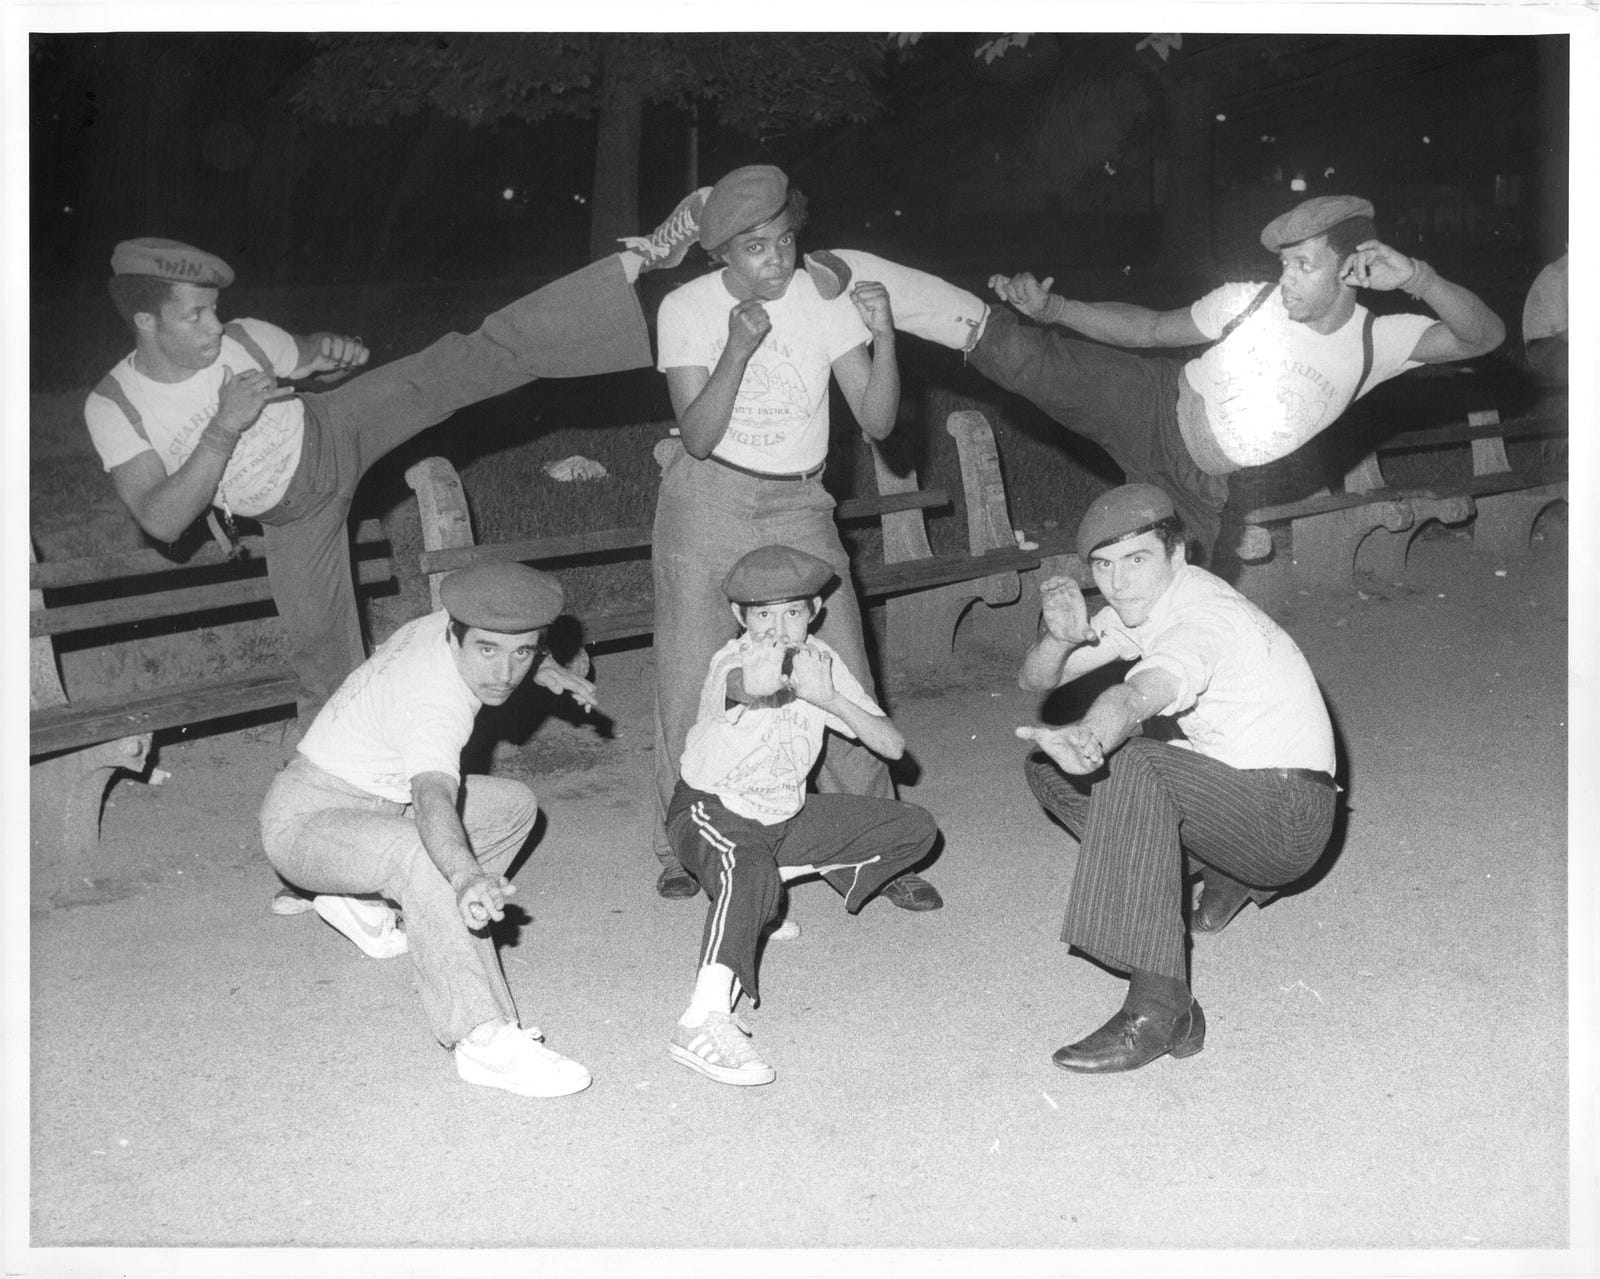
(500, 1055)
(289, 901)
(368, 923)
(719, 1048)
(788, 930)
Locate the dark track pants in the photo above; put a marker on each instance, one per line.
(859, 842)
(1139, 816)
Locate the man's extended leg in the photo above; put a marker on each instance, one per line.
(924, 305)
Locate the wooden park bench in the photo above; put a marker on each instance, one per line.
(1371, 524)
(77, 743)
(924, 594)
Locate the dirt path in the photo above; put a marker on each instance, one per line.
(1386, 1067)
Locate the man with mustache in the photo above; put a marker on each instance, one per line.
(373, 809)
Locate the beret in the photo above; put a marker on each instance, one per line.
(170, 260)
(742, 200)
(502, 596)
(1122, 513)
(1312, 217)
(771, 573)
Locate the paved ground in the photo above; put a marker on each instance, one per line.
(1386, 1069)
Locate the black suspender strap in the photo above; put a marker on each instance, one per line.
(238, 333)
(1366, 354)
(112, 390)
(1255, 305)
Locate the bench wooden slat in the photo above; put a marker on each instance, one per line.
(1464, 433)
(862, 508)
(86, 570)
(874, 580)
(64, 727)
(543, 549)
(1479, 486)
(68, 618)
(941, 570)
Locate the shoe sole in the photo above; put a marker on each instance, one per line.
(722, 1074)
(289, 903)
(473, 1074)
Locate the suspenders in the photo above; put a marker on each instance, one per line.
(1366, 335)
(224, 533)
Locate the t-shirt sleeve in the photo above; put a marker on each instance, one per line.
(1212, 312)
(430, 735)
(1394, 337)
(112, 434)
(278, 345)
(1189, 651)
(681, 340)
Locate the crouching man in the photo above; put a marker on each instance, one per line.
(373, 809)
(1249, 794)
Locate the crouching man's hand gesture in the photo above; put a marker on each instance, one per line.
(481, 897)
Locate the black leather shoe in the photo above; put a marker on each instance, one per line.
(911, 892)
(676, 882)
(1130, 1040)
(1219, 902)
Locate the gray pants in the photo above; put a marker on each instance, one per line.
(584, 323)
(325, 835)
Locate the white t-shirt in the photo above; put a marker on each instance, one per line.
(780, 417)
(1277, 382)
(756, 759)
(405, 710)
(1246, 695)
(174, 414)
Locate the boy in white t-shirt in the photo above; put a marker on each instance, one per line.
(741, 819)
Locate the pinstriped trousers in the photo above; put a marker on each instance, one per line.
(1135, 821)
(862, 840)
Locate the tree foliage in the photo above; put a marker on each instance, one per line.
(759, 83)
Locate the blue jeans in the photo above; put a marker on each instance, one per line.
(325, 835)
(584, 323)
(707, 517)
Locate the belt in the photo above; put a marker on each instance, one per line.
(769, 475)
(1308, 775)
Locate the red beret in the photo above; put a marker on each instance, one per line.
(502, 596)
(772, 573)
(170, 260)
(742, 201)
(1122, 513)
(1312, 217)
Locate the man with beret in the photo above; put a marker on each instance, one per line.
(747, 351)
(1284, 360)
(373, 809)
(1247, 791)
(196, 416)
(740, 817)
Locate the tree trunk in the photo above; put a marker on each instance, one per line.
(616, 162)
(1185, 246)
